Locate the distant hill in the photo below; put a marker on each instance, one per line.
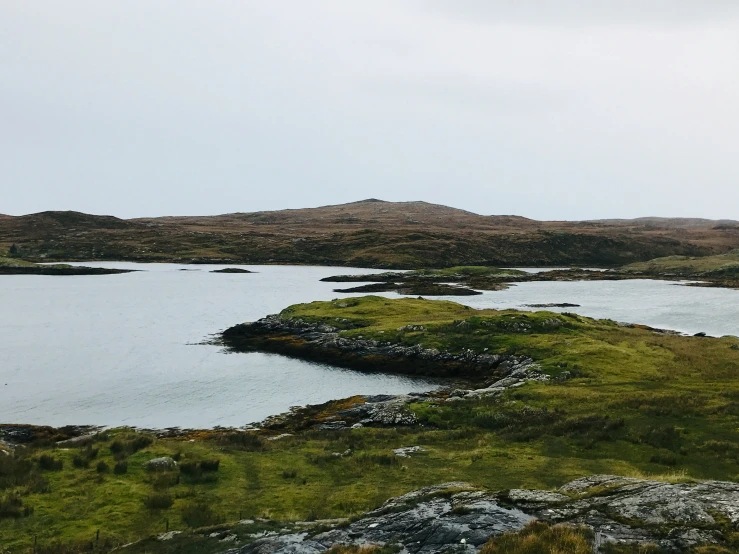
(369, 233)
(365, 213)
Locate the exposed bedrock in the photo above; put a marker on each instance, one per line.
(674, 517)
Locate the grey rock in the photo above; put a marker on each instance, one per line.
(332, 425)
(424, 522)
(160, 464)
(536, 498)
(506, 382)
(82, 440)
(406, 451)
(279, 437)
(490, 391)
(626, 510)
(382, 410)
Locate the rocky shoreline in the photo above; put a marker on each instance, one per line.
(321, 342)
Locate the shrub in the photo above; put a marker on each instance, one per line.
(120, 467)
(200, 478)
(199, 514)
(660, 437)
(541, 538)
(376, 460)
(49, 463)
(158, 501)
(127, 447)
(102, 467)
(139, 443)
(189, 468)
(243, 440)
(11, 507)
(163, 480)
(80, 462)
(664, 457)
(210, 465)
(289, 473)
(15, 471)
(83, 459)
(200, 472)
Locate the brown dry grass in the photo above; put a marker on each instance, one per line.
(541, 538)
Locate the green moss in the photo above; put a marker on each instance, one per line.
(15, 262)
(720, 266)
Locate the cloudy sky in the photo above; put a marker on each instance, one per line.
(551, 109)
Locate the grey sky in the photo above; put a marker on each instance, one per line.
(566, 109)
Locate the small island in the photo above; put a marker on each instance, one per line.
(16, 266)
(711, 271)
(231, 270)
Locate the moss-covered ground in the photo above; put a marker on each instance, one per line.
(15, 262)
(624, 400)
(719, 266)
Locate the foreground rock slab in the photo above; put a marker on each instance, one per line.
(674, 517)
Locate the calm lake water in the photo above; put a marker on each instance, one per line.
(123, 349)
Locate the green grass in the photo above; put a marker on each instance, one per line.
(14, 262)
(542, 538)
(635, 403)
(17, 262)
(719, 266)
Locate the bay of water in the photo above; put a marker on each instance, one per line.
(123, 349)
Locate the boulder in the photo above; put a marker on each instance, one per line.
(164, 463)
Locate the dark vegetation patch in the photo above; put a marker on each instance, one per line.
(231, 270)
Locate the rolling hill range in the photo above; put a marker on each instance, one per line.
(369, 233)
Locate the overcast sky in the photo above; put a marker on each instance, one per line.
(560, 109)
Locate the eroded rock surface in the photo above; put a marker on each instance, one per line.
(673, 517)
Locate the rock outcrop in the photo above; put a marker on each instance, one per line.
(673, 517)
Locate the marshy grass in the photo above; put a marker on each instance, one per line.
(541, 538)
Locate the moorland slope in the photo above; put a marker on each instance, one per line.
(369, 233)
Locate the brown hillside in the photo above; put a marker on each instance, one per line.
(366, 233)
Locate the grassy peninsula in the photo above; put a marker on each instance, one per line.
(721, 270)
(17, 266)
(619, 399)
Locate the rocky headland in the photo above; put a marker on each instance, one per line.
(323, 342)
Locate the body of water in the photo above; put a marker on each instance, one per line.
(123, 349)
